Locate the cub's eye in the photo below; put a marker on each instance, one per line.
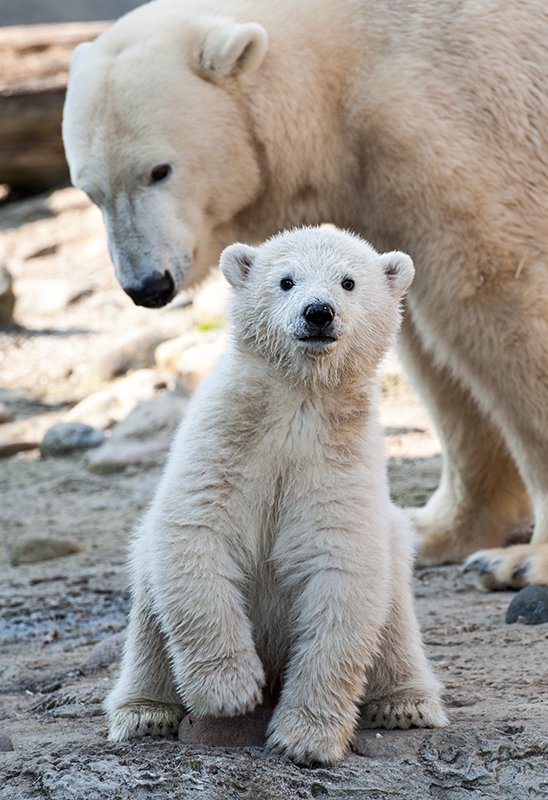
(286, 284)
(348, 284)
(160, 173)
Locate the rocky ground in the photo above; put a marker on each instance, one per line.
(79, 351)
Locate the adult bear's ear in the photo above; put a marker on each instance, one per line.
(236, 261)
(232, 51)
(399, 271)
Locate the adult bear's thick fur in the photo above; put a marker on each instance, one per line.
(423, 126)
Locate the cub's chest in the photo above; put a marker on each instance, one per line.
(297, 432)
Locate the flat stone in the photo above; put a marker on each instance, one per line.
(66, 437)
(530, 606)
(11, 447)
(248, 730)
(30, 549)
(5, 743)
(116, 456)
(107, 652)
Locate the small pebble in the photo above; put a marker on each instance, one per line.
(31, 549)
(530, 606)
(5, 743)
(66, 437)
(106, 652)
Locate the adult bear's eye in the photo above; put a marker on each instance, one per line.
(286, 284)
(160, 173)
(348, 284)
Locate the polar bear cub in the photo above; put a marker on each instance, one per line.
(271, 556)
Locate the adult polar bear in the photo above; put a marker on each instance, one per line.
(423, 126)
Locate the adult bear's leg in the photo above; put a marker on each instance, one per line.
(481, 496)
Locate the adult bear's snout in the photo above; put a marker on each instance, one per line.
(155, 291)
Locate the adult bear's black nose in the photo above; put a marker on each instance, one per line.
(155, 291)
(319, 314)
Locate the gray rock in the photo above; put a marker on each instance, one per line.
(5, 743)
(66, 437)
(7, 297)
(107, 652)
(143, 438)
(530, 605)
(155, 419)
(31, 549)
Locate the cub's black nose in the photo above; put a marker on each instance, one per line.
(319, 314)
(154, 292)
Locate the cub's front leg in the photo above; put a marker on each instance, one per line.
(144, 700)
(196, 587)
(338, 617)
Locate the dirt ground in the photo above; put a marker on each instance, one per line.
(55, 612)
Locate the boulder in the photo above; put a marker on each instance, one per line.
(143, 438)
(113, 403)
(66, 437)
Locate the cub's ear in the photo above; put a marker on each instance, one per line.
(232, 51)
(77, 54)
(399, 271)
(235, 263)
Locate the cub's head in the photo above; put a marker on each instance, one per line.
(316, 301)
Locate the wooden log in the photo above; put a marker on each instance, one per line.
(33, 79)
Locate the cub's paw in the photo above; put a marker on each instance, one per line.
(144, 718)
(402, 711)
(231, 687)
(509, 567)
(307, 738)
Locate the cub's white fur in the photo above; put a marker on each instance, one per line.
(271, 555)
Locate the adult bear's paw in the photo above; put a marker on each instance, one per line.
(510, 567)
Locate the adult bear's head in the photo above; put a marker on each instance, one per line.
(155, 132)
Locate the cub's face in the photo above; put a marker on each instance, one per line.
(316, 299)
